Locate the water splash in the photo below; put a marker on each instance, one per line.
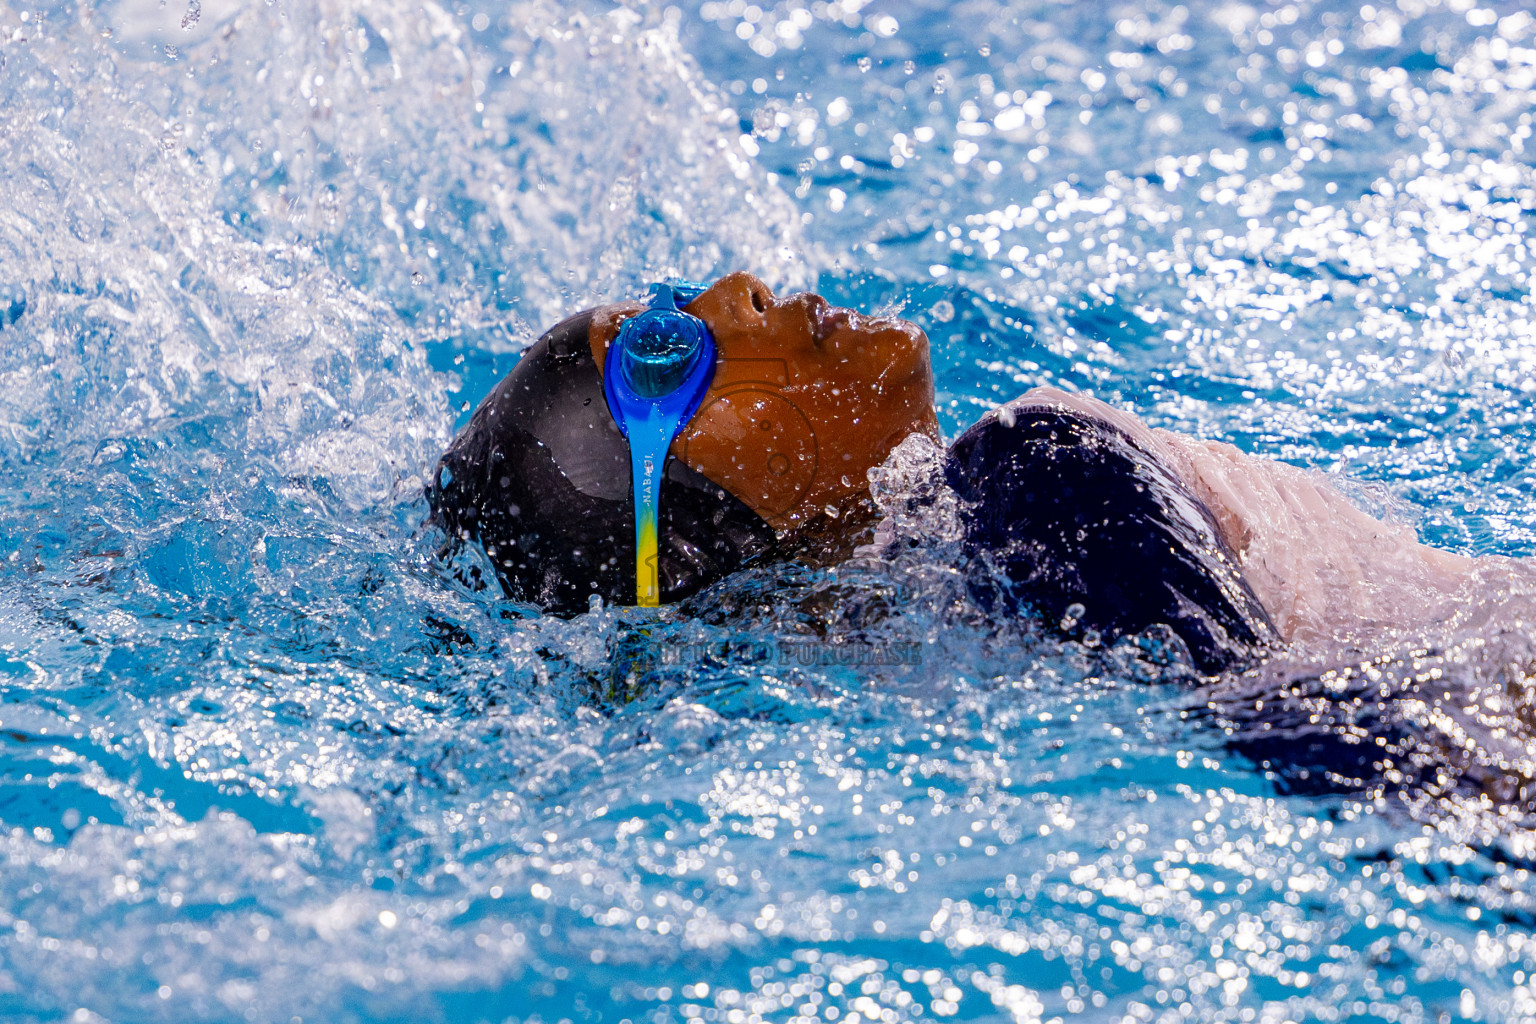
(558, 155)
(261, 757)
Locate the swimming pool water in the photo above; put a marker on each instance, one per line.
(263, 759)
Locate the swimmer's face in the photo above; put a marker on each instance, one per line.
(806, 398)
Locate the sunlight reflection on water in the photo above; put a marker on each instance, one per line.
(262, 760)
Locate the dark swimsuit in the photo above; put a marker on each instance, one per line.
(1067, 509)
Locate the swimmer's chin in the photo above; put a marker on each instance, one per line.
(903, 341)
(896, 323)
(890, 324)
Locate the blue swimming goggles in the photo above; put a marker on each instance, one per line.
(654, 376)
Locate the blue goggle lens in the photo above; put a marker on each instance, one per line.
(660, 352)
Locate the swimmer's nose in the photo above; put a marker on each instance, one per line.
(741, 296)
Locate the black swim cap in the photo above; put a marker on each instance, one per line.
(541, 479)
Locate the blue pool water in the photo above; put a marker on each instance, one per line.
(263, 760)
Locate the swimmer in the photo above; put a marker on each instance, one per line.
(1072, 511)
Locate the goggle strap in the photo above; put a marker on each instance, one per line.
(675, 293)
(649, 440)
(649, 425)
